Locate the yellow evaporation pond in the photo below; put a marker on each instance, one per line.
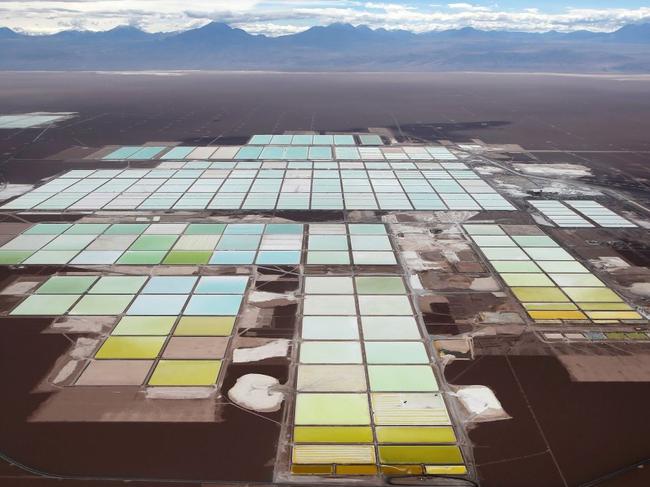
(314, 454)
(401, 469)
(311, 469)
(126, 347)
(438, 454)
(415, 434)
(445, 469)
(185, 373)
(591, 294)
(614, 315)
(527, 280)
(205, 326)
(605, 307)
(573, 280)
(557, 315)
(544, 294)
(356, 470)
(332, 434)
(550, 306)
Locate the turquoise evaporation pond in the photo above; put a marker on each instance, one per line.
(272, 153)
(343, 140)
(213, 305)
(147, 153)
(249, 152)
(222, 285)
(320, 152)
(302, 140)
(281, 139)
(296, 153)
(122, 152)
(260, 139)
(323, 140)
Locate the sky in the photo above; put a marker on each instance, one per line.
(280, 17)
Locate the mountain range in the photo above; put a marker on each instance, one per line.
(337, 47)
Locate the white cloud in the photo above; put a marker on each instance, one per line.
(468, 6)
(278, 17)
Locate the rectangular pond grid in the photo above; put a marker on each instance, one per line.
(318, 165)
(599, 214)
(367, 400)
(264, 189)
(548, 281)
(563, 216)
(199, 244)
(288, 152)
(559, 213)
(172, 330)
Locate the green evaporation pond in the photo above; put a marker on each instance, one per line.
(332, 409)
(205, 229)
(8, 257)
(118, 285)
(522, 279)
(402, 378)
(380, 285)
(396, 353)
(45, 304)
(154, 242)
(144, 325)
(126, 229)
(66, 285)
(142, 257)
(535, 241)
(47, 229)
(101, 304)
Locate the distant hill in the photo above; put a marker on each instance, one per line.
(334, 47)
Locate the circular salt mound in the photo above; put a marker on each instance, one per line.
(254, 392)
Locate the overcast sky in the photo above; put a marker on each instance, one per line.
(288, 16)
